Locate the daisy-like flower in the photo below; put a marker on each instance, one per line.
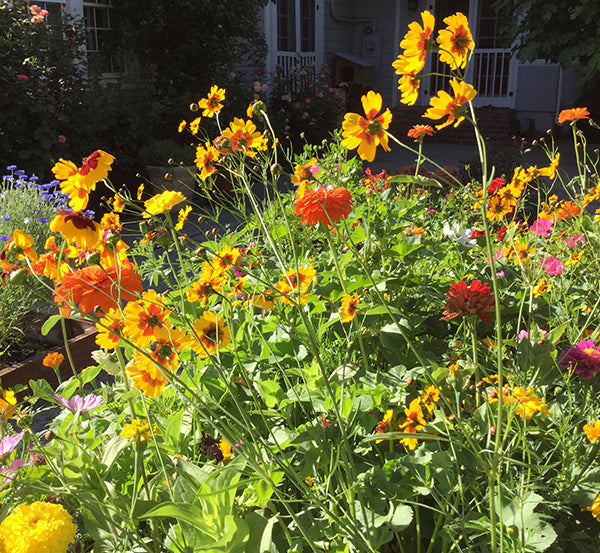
(182, 126)
(415, 421)
(182, 217)
(455, 41)
(592, 430)
(212, 104)
(303, 174)
(349, 307)
(161, 203)
(499, 207)
(408, 85)
(417, 41)
(296, 282)
(382, 425)
(146, 377)
(243, 137)
(527, 403)
(79, 404)
(139, 430)
(110, 329)
(541, 287)
(444, 105)
(465, 301)
(211, 334)
(9, 443)
(98, 289)
(79, 182)
(20, 244)
(77, 229)
(206, 160)
(573, 114)
(7, 404)
(418, 132)
(37, 527)
(463, 237)
(429, 398)
(595, 508)
(367, 134)
(146, 320)
(582, 358)
(323, 205)
(195, 125)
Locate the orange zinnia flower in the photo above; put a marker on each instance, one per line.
(367, 134)
(464, 301)
(443, 104)
(94, 288)
(320, 205)
(455, 41)
(212, 103)
(419, 131)
(574, 114)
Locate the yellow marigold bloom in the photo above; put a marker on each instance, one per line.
(243, 137)
(139, 430)
(212, 104)
(36, 528)
(160, 203)
(455, 41)
(76, 228)
(146, 320)
(367, 134)
(195, 125)
(296, 282)
(182, 217)
(592, 430)
(541, 287)
(211, 334)
(53, 359)
(417, 41)
(225, 448)
(414, 422)
(443, 104)
(383, 424)
(206, 159)
(349, 307)
(146, 377)
(7, 404)
(110, 222)
(79, 182)
(110, 329)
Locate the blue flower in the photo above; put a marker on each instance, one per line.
(34, 178)
(4, 237)
(89, 213)
(6, 177)
(11, 167)
(5, 217)
(42, 220)
(19, 171)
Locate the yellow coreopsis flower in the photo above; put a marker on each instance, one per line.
(349, 307)
(212, 103)
(455, 41)
(417, 42)
(367, 134)
(182, 217)
(443, 104)
(210, 333)
(206, 159)
(592, 430)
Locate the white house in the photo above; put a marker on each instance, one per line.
(360, 40)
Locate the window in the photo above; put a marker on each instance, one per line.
(98, 23)
(296, 18)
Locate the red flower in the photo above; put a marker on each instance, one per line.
(95, 287)
(462, 300)
(323, 205)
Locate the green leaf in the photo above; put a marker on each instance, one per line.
(112, 449)
(271, 392)
(42, 389)
(50, 322)
(181, 511)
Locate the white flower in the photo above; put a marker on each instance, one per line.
(462, 236)
(108, 361)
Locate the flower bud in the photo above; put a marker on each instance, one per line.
(276, 169)
(93, 258)
(24, 420)
(258, 107)
(19, 276)
(194, 107)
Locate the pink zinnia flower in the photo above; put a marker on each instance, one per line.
(574, 240)
(79, 404)
(542, 227)
(582, 358)
(8, 443)
(552, 265)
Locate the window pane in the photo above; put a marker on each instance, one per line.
(286, 25)
(307, 25)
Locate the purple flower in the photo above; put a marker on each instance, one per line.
(42, 220)
(4, 237)
(6, 473)
(8, 443)
(582, 358)
(11, 167)
(78, 404)
(5, 217)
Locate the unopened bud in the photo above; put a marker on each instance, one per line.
(194, 107)
(18, 277)
(93, 258)
(410, 381)
(49, 436)
(493, 429)
(23, 420)
(276, 169)
(258, 107)
(168, 176)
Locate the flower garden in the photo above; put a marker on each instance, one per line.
(375, 363)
